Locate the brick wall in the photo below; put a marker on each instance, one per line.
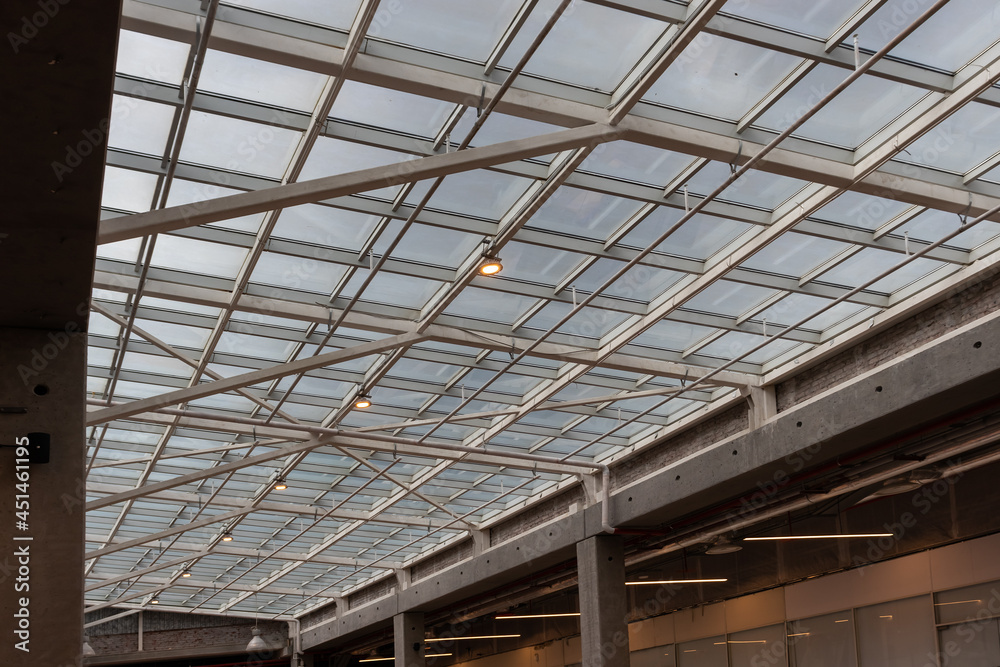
(676, 447)
(440, 561)
(955, 311)
(536, 515)
(164, 631)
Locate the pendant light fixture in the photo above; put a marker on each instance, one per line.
(490, 264)
(257, 642)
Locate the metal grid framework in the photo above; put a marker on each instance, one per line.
(689, 199)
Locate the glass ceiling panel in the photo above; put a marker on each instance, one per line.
(817, 19)
(298, 273)
(795, 307)
(237, 145)
(590, 323)
(436, 246)
(676, 336)
(860, 210)
(719, 77)
(537, 264)
(870, 262)
(325, 226)
(795, 254)
(213, 259)
(127, 190)
(393, 110)
(490, 305)
(954, 35)
(635, 162)
(398, 290)
(140, 126)
(250, 79)
(148, 57)
(754, 188)
(699, 238)
(932, 225)
(960, 143)
(338, 14)
(590, 46)
(728, 298)
(468, 30)
(869, 104)
(643, 284)
(499, 128)
(479, 193)
(583, 213)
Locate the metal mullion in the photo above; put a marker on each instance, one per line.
(776, 93)
(851, 25)
(509, 34)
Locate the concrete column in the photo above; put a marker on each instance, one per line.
(408, 634)
(42, 504)
(603, 629)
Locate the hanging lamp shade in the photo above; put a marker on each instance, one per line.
(257, 643)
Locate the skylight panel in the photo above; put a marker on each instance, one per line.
(460, 28)
(338, 14)
(699, 238)
(583, 213)
(795, 254)
(635, 162)
(754, 188)
(856, 114)
(237, 145)
(960, 142)
(297, 273)
(436, 246)
(954, 35)
(390, 109)
(489, 305)
(591, 45)
(140, 126)
(148, 57)
(816, 19)
(481, 193)
(721, 78)
(127, 190)
(260, 81)
(196, 256)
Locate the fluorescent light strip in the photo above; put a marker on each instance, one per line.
(674, 581)
(428, 655)
(575, 613)
(455, 639)
(843, 620)
(741, 641)
(815, 537)
(801, 634)
(941, 604)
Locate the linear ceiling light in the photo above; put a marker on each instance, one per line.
(674, 581)
(509, 616)
(815, 537)
(455, 639)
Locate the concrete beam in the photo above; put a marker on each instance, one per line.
(924, 385)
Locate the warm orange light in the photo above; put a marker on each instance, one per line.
(491, 266)
(363, 402)
(279, 484)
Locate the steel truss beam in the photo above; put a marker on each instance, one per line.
(503, 342)
(645, 125)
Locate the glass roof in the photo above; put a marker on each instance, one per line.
(583, 144)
